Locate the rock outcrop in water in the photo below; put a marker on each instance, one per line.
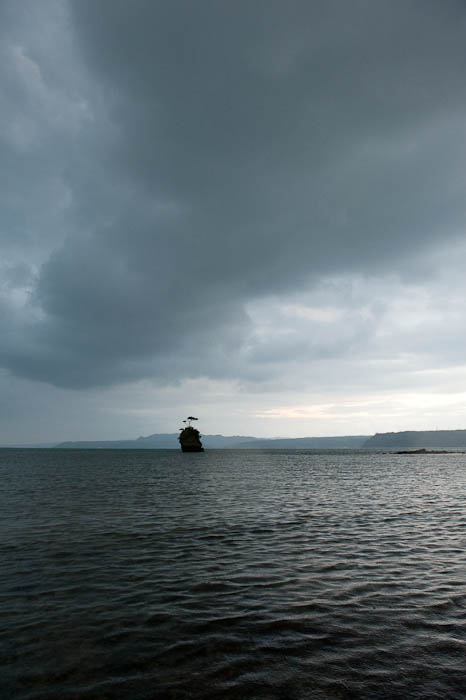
(190, 438)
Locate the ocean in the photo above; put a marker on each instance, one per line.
(232, 574)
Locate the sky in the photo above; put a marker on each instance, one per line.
(252, 212)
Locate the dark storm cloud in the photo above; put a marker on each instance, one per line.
(226, 152)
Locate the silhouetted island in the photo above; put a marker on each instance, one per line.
(190, 438)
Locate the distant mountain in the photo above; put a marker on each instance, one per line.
(32, 445)
(158, 441)
(408, 439)
(353, 442)
(417, 439)
(169, 441)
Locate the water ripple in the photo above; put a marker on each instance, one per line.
(235, 574)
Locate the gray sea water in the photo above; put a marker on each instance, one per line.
(232, 574)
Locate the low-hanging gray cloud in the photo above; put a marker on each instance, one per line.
(170, 163)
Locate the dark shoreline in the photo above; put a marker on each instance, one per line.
(423, 451)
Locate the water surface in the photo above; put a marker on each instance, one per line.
(232, 574)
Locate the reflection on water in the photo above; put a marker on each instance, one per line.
(232, 574)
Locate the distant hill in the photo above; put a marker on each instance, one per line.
(313, 443)
(28, 446)
(408, 439)
(158, 441)
(417, 439)
(169, 441)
